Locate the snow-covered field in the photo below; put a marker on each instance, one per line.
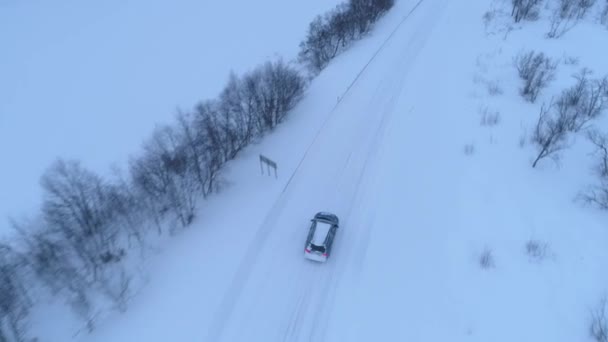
(436, 208)
(90, 81)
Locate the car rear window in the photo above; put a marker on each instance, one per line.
(316, 248)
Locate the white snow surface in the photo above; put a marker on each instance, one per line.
(416, 211)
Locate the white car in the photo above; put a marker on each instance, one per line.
(321, 236)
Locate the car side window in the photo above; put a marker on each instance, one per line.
(311, 230)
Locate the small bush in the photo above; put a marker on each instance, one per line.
(536, 250)
(494, 88)
(536, 71)
(525, 9)
(486, 259)
(583, 102)
(488, 17)
(574, 110)
(523, 137)
(597, 195)
(570, 60)
(566, 15)
(488, 117)
(469, 149)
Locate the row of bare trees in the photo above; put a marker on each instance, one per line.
(79, 246)
(333, 32)
(181, 162)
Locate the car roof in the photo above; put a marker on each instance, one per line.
(321, 231)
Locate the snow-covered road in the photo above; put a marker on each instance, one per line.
(276, 294)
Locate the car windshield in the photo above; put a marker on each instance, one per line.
(316, 248)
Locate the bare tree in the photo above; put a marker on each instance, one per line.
(343, 26)
(196, 150)
(127, 212)
(211, 142)
(271, 91)
(164, 174)
(536, 70)
(77, 204)
(550, 134)
(367, 12)
(237, 115)
(282, 89)
(320, 46)
(53, 261)
(14, 299)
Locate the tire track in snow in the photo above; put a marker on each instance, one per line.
(321, 321)
(292, 330)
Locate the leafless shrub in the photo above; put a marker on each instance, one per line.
(597, 195)
(566, 15)
(536, 250)
(494, 88)
(488, 117)
(488, 17)
(536, 71)
(119, 291)
(525, 9)
(486, 259)
(571, 60)
(600, 141)
(469, 149)
(523, 138)
(598, 327)
(585, 101)
(575, 108)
